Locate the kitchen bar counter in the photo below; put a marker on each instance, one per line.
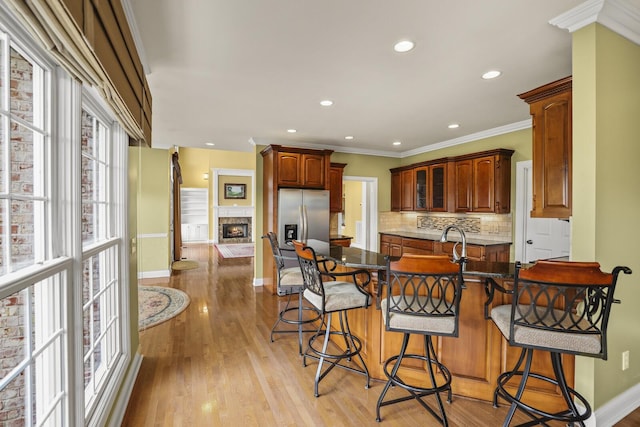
(476, 357)
(360, 258)
(451, 237)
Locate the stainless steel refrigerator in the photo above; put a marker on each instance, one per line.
(304, 215)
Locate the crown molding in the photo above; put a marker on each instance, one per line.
(524, 124)
(620, 16)
(513, 127)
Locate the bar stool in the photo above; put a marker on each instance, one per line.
(333, 295)
(562, 308)
(290, 283)
(423, 297)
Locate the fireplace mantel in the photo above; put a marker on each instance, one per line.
(231, 211)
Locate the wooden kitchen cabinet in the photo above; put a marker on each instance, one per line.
(390, 245)
(287, 167)
(438, 187)
(422, 196)
(551, 108)
(298, 167)
(463, 185)
(396, 191)
(417, 246)
(431, 188)
(477, 182)
(483, 182)
(335, 186)
(301, 170)
(407, 190)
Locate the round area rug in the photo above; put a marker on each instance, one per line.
(157, 304)
(185, 264)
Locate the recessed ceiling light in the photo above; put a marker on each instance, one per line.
(491, 74)
(348, 137)
(397, 142)
(210, 144)
(403, 46)
(454, 126)
(292, 130)
(326, 103)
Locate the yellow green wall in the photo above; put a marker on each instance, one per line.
(606, 197)
(371, 167)
(352, 194)
(154, 208)
(232, 179)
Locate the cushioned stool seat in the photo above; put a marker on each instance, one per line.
(327, 294)
(560, 307)
(422, 297)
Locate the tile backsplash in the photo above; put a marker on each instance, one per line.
(487, 226)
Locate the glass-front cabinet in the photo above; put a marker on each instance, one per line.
(431, 188)
(438, 187)
(422, 193)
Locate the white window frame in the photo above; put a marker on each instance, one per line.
(63, 254)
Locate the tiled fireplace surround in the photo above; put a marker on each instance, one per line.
(234, 215)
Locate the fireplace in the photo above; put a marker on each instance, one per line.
(234, 229)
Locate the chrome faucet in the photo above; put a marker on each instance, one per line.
(443, 238)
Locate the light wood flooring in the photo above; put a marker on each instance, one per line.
(214, 365)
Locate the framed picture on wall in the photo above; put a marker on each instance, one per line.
(235, 191)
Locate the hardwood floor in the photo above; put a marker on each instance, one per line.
(214, 365)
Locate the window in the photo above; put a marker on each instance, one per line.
(62, 209)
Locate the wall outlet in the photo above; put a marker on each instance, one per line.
(625, 360)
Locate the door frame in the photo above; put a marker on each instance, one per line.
(370, 210)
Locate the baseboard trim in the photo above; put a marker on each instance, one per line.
(618, 407)
(120, 407)
(153, 274)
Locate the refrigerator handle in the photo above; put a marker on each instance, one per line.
(301, 220)
(305, 225)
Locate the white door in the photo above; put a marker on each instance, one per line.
(365, 231)
(537, 238)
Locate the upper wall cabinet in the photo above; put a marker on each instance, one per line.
(431, 188)
(478, 182)
(396, 190)
(483, 182)
(299, 168)
(551, 107)
(335, 186)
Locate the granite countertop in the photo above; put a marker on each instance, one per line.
(339, 236)
(453, 236)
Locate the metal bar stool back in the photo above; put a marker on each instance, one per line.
(333, 292)
(422, 297)
(560, 307)
(290, 283)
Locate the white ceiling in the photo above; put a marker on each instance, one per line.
(233, 72)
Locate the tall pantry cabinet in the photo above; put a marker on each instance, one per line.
(551, 108)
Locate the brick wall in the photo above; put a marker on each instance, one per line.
(13, 310)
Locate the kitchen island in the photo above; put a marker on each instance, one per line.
(476, 357)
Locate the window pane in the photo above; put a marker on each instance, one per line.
(94, 179)
(101, 315)
(21, 87)
(22, 236)
(32, 357)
